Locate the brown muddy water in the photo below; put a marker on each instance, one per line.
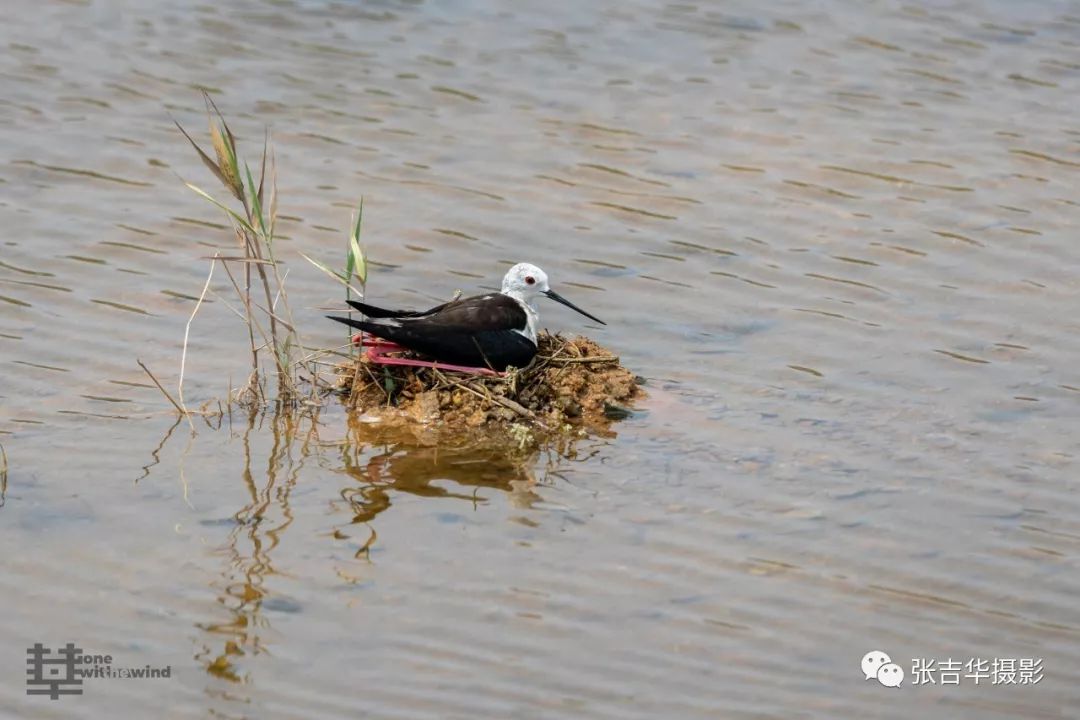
(838, 238)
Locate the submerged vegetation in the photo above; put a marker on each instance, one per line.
(571, 388)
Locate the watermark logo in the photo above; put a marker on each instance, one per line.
(877, 664)
(873, 660)
(890, 675)
(995, 671)
(53, 675)
(62, 672)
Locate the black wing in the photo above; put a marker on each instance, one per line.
(472, 315)
(378, 312)
(476, 331)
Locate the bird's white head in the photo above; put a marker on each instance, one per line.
(524, 282)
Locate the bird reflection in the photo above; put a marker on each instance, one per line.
(438, 471)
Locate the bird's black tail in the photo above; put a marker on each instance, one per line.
(377, 329)
(373, 311)
(378, 312)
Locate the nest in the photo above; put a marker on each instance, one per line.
(573, 385)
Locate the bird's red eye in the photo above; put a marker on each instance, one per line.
(530, 280)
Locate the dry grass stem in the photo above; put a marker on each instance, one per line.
(187, 332)
(179, 408)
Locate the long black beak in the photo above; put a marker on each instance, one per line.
(560, 299)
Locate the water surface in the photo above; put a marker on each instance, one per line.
(837, 238)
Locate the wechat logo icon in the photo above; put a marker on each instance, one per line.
(877, 665)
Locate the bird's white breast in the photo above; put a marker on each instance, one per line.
(532, 321)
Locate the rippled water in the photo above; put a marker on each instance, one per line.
(838, 238)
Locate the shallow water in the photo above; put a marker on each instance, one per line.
(837, 238)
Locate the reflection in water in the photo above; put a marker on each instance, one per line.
(418, 470)
(383, 461)
(156, 452)
(379, 461)
(259, 527)
(3, 476)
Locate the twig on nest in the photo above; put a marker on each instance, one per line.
(510, 404)
(594, 359)
(487, 395)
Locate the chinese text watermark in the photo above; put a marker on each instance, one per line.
(877, 665)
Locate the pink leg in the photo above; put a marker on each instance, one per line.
(377, 348)
(384, 360)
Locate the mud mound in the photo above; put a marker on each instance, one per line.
(573, 385)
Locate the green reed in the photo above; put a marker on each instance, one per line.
(255, 273)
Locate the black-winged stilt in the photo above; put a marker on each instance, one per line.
(494, 331)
